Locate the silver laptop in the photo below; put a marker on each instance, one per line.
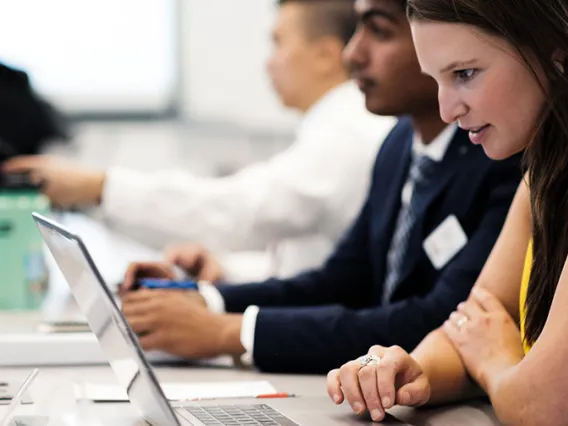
(121, 347)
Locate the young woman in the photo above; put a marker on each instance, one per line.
(500, 67)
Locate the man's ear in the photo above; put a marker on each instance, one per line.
(329, 53)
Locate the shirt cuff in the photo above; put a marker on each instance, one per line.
(247, 334)
(212, 296)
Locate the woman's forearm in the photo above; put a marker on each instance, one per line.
(442, 364)
(519, 400)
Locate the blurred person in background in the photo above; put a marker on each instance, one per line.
(28, 122)
(292, 208)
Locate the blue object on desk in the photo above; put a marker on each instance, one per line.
(159, 283)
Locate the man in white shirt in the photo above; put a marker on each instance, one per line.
(293, 207)
(435, 208)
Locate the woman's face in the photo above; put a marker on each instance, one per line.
(483, 84)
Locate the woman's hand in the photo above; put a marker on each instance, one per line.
(396, 378)
(486, 337)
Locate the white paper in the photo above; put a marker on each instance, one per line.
(180, 391)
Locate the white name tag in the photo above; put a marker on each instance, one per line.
(445, 242)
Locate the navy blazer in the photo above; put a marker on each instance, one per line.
(319, 320)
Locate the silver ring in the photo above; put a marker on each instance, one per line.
(461, 322)
(368, 359)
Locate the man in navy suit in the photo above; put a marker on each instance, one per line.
(433, 213)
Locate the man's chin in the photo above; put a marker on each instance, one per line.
(286, 102)
(377, 107)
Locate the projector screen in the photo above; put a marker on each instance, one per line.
(95, 56)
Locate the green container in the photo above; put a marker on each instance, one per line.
(23, 271)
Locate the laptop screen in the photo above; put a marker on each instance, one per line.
(105, 319)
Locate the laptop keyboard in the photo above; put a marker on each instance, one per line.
(235, 415)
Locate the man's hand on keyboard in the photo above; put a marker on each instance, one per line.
(179, 322)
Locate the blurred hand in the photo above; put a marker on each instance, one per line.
(65, 183)
(140, 270)
(196, 260)
(178, 322)
(486, 337)
(397, 379)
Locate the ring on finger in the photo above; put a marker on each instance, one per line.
(368, 359)
(461, 322)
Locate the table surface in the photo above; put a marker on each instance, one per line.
(53, 389)
(53, 392)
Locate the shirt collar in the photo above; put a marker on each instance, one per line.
(436, 149)
(334, 96)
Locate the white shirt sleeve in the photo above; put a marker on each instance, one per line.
(284, 197)
(247, 334)
(247, 266)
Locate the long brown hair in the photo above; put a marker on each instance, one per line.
(539, 30)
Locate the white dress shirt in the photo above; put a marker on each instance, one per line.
(292, 208)
(436, 150)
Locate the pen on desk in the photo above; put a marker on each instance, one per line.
(276, 395)
(260, 396)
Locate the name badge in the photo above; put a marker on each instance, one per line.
(445, 242)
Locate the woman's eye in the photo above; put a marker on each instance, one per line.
(463, 76)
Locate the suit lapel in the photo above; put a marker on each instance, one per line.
(458, 152)
(398, 171)
(391, 177)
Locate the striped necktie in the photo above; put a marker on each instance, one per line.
(419, 177)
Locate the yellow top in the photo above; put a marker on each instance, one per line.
(524, 289)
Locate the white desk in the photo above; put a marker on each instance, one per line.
(319, 410)
(113, 255)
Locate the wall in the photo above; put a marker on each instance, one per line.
(224, 46)
(94, 55)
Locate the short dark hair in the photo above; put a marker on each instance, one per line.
(329, 18)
